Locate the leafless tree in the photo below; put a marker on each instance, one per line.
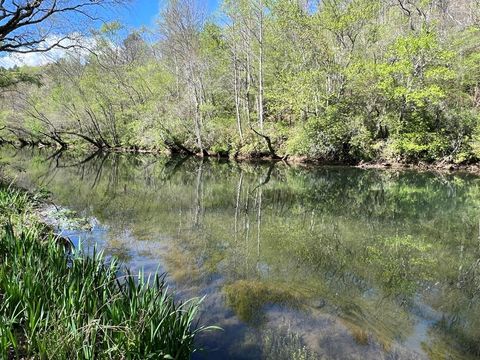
(180, 26)
(40, 25)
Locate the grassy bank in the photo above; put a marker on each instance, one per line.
(59, 305)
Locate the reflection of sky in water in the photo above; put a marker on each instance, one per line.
(294, 263)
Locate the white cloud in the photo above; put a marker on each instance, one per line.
(43, 58)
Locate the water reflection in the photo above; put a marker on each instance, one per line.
(296, 263)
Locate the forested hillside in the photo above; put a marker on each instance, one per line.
(331, 80)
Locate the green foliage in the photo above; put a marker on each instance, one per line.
(330, 138)
(428, 146)
(12, 77)
(342, 80)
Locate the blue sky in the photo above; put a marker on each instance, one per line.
(144, 12)
(137, 14)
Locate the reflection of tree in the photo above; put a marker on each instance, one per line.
(267, 178)
(199, 195)
(237, 204)
(259, 198)
(79, 164)
(247, 226)
(173, 166)
(56, 156)
(259, 222)
(360, 241)
(99, 171)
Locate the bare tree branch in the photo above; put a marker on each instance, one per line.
(26, 26)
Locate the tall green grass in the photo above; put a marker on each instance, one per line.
(55, 305)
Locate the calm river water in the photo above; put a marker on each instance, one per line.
(294, 263)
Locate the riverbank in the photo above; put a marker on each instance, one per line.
(422, 166)
(57, 303)
(437, 166)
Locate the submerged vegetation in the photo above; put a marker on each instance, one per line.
(62, 305)
(343, 80)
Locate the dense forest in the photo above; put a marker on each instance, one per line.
(327, 80)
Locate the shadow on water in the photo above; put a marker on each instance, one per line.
(295, 263)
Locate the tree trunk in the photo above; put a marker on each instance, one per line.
(260, 68)
(237, 95)
(197, 123)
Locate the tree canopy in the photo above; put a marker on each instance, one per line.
(343, 80)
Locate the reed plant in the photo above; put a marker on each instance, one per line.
(58, 304)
